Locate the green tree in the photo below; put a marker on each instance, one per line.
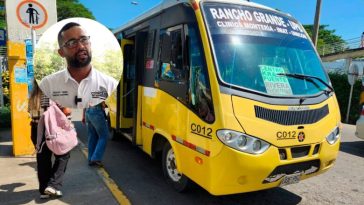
(109, 62)
(342, 90)
(328, 41)
(47, 60)
(72, 8)
(5, 78)
(2, 15)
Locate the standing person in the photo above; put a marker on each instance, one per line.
(80, 84)
(97, 132)
(50, 176)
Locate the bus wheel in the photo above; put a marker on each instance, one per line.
(171, 174)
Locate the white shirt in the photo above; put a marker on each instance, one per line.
(65, 90)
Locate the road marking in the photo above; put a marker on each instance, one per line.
(111, 185)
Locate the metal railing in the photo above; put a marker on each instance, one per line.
(339, 47)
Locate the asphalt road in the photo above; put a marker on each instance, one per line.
(141, 179)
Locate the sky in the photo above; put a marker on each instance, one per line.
(346, 17)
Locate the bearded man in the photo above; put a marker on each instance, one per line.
(80, 85)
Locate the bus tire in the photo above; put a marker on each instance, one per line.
(171, 174)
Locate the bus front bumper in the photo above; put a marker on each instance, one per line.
(233, 171)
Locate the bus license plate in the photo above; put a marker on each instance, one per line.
(290, 179)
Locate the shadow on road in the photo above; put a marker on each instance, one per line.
(6, 147)
(5, 135)
(354, 148)
(9, 196)
(141, 179)
(272, 196)
(30, 164)
(6, 150)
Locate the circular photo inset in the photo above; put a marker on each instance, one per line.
(78, 63)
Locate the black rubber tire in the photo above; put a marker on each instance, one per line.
(182, 184)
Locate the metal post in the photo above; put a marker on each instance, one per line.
(349, 104)
(348, 62)
(316, 25)
(34, 38)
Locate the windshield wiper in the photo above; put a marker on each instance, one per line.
(307, 77)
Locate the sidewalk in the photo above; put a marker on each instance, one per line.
(19, 185)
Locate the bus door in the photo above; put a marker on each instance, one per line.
(126, 92)
(140, 58)
(130, 101)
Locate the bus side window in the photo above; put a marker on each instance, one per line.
(200, 91)
(171, 55)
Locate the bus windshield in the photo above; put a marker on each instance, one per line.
(263, 51)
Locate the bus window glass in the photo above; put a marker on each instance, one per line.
(253, 47)
(171, 55)
(200, 92)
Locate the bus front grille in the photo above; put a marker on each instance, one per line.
(291, 117)
(308, 167)
(298, 152)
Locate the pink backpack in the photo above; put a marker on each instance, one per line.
(60, 134)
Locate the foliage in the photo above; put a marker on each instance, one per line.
(109, 63)
(328, 41)
(72, 8)
(342, 91)
(5, 117)
(5, 78)
(47, 61)
(2, 15)
(2, 20)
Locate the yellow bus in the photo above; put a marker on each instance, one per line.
(229, 94)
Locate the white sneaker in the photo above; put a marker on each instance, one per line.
(53, 192)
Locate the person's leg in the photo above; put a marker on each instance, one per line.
(91, 134)
(44, 167)
(33, 135)
(98, 120)
(58, 170)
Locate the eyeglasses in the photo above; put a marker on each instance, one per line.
(84, 40)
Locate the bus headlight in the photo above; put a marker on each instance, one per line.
(242, 142)
(333, 136)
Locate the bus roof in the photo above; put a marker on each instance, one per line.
(169, 3)
(163, 5)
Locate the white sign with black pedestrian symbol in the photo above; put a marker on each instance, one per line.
(32, 14)
(22, 15)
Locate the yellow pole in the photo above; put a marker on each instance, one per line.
(20, 121)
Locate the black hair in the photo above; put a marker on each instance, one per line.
(65, 28)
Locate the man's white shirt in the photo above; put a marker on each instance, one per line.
(66, 91)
